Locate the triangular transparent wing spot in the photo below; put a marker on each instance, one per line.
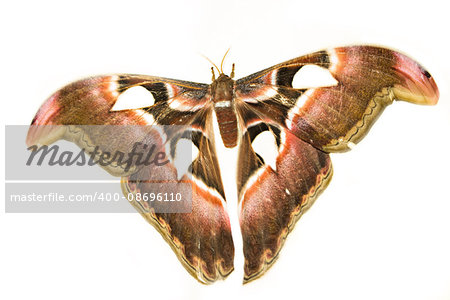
(265, 146)
(185, 153)
(313, 76)
(134, 98)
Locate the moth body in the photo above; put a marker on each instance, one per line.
(222, 91)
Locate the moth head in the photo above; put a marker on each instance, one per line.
(220, 71)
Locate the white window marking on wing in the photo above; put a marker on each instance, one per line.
(134, 98)
(265, 145)
(185, 153)
(312, 76)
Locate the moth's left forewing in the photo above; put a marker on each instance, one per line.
(333, 118)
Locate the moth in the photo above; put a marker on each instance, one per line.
(306, 123)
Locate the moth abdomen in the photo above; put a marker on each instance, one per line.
(226, 117)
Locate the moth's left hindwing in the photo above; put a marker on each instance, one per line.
(202, 238)
(271, 201)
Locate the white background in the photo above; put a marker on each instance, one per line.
(380, 231)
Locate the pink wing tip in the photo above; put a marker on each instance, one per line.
(44, 134)
(416, 84)
(41, 130)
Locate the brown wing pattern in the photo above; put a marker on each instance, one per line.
(202, 238)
